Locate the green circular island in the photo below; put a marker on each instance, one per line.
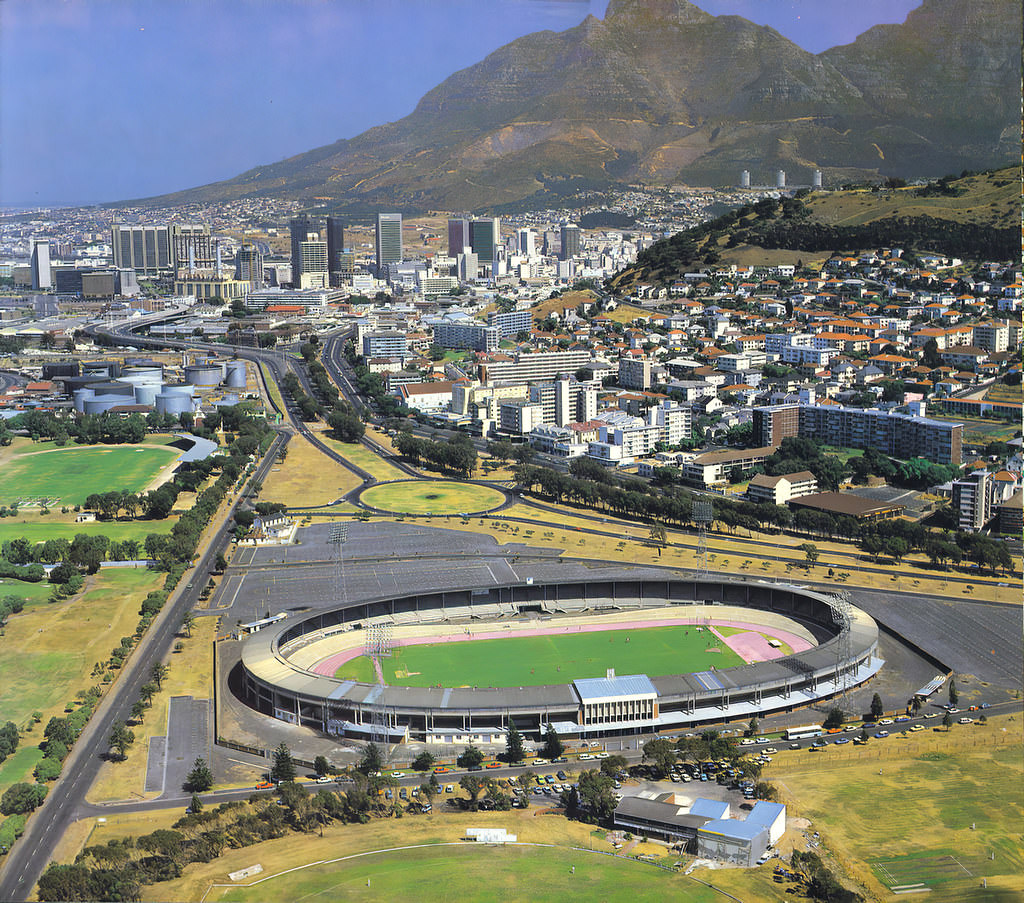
(432, 497)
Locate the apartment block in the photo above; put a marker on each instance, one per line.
(972, 497)
(474, 336)
(542, 366)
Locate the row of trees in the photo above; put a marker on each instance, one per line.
(85, 429)
(457, 456)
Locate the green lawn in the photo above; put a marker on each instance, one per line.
(539, 660)
(65, 476)
(39, 529)
(428, 497)
(470, 872)
(362, 457)
(32, 593)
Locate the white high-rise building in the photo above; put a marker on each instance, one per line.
(42, 278)
(526, 242)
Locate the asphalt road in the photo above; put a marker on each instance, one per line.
(30, 855)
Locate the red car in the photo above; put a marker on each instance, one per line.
(442, 769)
(264, 785)
(493, 765)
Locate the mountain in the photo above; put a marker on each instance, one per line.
(661, 92)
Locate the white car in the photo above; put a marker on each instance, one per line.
(771, 750)
(324, 779)
(966, 721)
(885, 721)
(747, 741)
(585, 756)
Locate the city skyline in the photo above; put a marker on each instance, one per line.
(186, 75)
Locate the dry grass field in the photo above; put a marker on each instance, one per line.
(306, 477)
(890, 811)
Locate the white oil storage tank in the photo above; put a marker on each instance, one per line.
(204, 374)
(235, 378)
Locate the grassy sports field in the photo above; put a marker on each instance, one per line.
(557, 658)
(468, 872)
(39, 528)
(440, 497)
(66, 476)
(933, 787)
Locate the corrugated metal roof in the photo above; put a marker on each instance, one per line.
(591, 689)
(733, 829)
(764, 813)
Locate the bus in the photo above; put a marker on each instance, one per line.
(803, 733)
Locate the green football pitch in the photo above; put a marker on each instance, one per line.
(463, 873)
(550, 659)
(66, 476)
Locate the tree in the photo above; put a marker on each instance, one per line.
(20, 799)
(514, 751)
(372, 761)
(662, 753)
(596, 798)
(947, 720)
(147, 691)
(613, 765)
(834, 719)
(220, 563)
(321, 766)
(188, 621)
(954, 696)
(553, 747)
(751, 728)
(658, 535)
(423, 762)
(876, 707)
(196, 805)
(283, 769)
(810, 551)
(200, 778)
(157, 673)
(474, 785)
(121, 737)
(470, 757)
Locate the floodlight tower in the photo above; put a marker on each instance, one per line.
(703, 514)
(336, 537)
(839, 603)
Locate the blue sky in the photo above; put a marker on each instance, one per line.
(102, 100)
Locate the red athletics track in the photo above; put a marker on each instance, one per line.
(750, 646)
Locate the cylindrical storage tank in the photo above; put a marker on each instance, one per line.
(80, 397)
(114, 387)
(180, 389)
(106, 369)
(100, 403)
(146, 394)
(174, 403)
(203, 374)
(153, 375)
(235, 377)
(228, 400)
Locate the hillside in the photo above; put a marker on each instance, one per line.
(975, 216)
(660, 92)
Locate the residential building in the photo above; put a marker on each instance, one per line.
(972, 498)
(475, 336)
(565, 401)
(512, 322)
(779, 490)
(539, 366)
(901, 436)
(385, 343)
(519, 418)
(635, 373)
(714, 468)
(993, 335)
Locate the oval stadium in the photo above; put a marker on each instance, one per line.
(780, 646)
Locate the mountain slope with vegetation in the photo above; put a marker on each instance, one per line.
(975, 216)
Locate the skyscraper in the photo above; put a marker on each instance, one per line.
(570, 241)
(302, 228)
(313, 259)
(41, 276)
(484, 238)
(389, 239)
(249, 265)
(145, 249)
(526, 242)
(335, 249)
(458, 236)
(192, 245)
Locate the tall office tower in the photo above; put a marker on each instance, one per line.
(301, 228)
(41, 277)
(313, 259)
(145, 249)
(526, 242)
(484, 237)
(249, 265)
(389, 239)
(549, 243)
(335, 248)
(570, 241)
(458, 236)
(193, 247)
(468, 266)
